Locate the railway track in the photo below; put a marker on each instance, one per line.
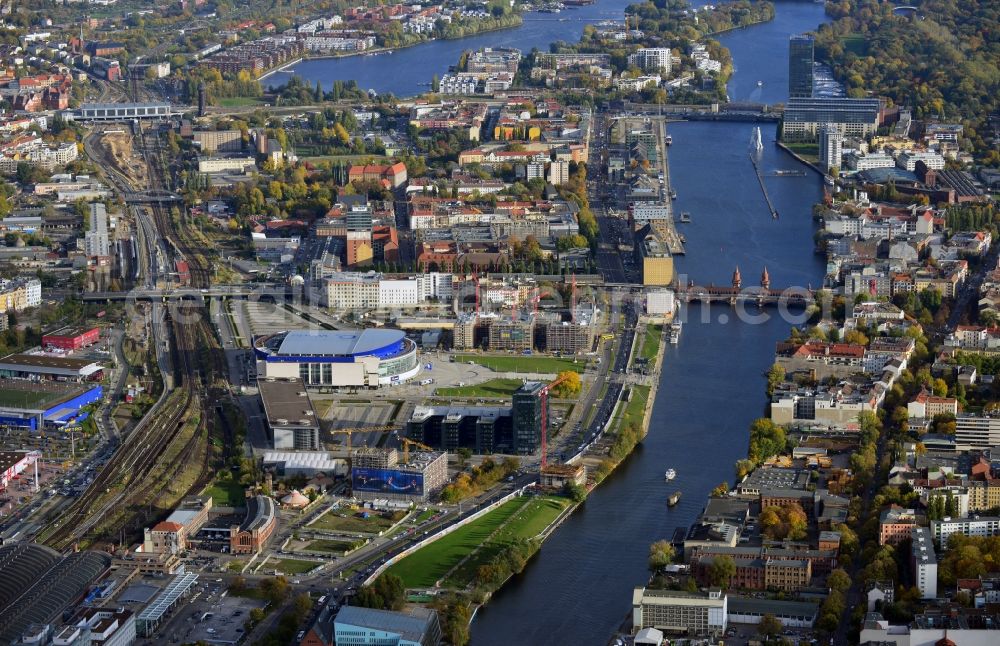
(172, 438)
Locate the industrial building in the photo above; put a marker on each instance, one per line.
(123, 111)
(702, 614)
(291, 418)
(40, 367)
(36, 405)
(367, 358)
(379, 473)
(71, 338)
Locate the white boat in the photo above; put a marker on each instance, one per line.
(675, 332)
(670, 474)
(760, 83)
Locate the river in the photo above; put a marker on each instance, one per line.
(577, 590)
(408, 71)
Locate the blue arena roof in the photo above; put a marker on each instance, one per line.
(340, 343)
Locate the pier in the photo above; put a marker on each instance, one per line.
(673, 239)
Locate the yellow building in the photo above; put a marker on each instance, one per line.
(984, 495)
(654, 257)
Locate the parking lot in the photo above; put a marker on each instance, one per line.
(210, 618)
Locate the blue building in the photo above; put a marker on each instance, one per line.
(36, 405)
(368, 627)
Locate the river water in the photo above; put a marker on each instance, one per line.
(578, 589)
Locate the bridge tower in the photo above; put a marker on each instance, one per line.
(765, 280)
(737, 279)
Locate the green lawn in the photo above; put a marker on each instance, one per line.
(634, 409)
(226, 494)
(352, 521)
(528, 522)
(291, 566)
(654, 334)
(335, 547)
(240, 101)
(423, 568)
(492, 388)
(551, 365)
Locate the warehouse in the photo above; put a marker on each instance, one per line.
(37, 405)
(71, 338)
(367, 358)
(43, 367)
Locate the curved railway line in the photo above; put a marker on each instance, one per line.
(172, 438)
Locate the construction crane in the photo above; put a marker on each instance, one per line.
(349, 432)
(406, 447)
(544, 395)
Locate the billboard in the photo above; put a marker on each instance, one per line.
(389, 481)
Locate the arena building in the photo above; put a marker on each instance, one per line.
(370, 357)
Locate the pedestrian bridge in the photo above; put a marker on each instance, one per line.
(152, 197)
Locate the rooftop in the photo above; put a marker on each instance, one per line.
(411, 626)
(286, 403)
(338, 342)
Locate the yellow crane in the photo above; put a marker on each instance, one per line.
(406, 447)
(349, 432)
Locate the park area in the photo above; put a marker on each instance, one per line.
(546, 365)
(333, 546)
(356, 522)
(457, 557)
(634, 409)
(291, 566)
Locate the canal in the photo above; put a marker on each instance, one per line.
(578, 589)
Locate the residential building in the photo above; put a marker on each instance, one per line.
(907, 160)
(652, 59)
(800, 66)
(19, 294)
(976, 431)
(895, 525)
(941, 530)
(690, 613)
(949, 626)
(983, 494)
(831, 147)
(926, 406)
(357, 626)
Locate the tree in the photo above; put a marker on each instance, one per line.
(769, 626)
(661, 554)
(775, 377)
(569, 386)
(575, 492)
(839, 579)
(722, 569)
(721, 489)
